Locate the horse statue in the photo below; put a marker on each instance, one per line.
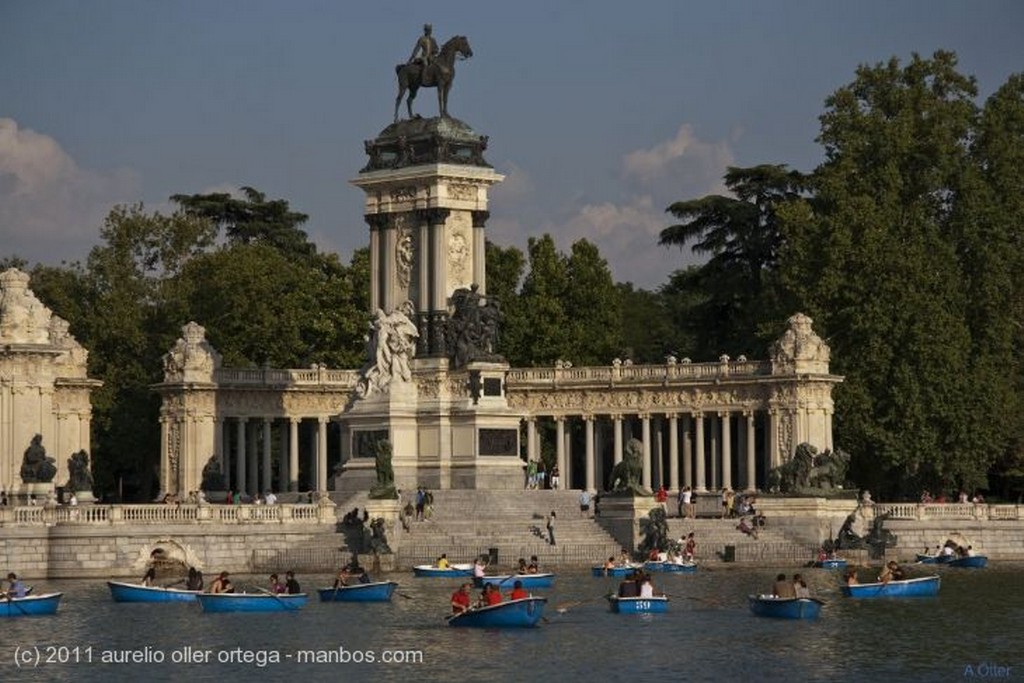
(626, 475)
(438, 74)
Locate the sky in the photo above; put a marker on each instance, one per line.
(600, 114)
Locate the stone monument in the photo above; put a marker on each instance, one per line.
(432, 385)
(44, 391)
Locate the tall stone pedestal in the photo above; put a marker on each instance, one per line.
(621, 515)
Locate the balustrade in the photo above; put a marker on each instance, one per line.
(162, 514)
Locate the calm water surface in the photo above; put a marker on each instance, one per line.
(972, 627)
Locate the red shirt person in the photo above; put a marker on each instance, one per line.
(460, 599)
(518, 592)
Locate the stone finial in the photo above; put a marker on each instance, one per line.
(192, 358)
(23, 318)
(800, 348)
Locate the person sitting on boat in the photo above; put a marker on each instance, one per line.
(783, 588)
(522, 566)
(822, 555)
(15, 588)
(851, 577)
(442, 562)
(490, 595)
(478, 568)
(646, 587)
(275, 586)
(534, 566)
(891, 572)
(609, 563)
(800, 587)
(624, 558)
(291, 585)
(630, 587)
(661, 556)
(341, 580)
(460, 599)
(518, 592)
(969, 552)
(947, 551)
(194, 582)
(149, 578)
(222, 584)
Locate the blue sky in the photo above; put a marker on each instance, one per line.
(599, 113)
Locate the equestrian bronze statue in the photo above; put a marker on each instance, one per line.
(438, 72)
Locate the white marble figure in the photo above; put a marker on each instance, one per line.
(391, 344)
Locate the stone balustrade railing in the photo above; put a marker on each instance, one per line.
(105, 515)
(941, 511)
(271, 377)
(637, 373)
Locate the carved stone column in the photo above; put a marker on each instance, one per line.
(560, 458)
(531, 439)
(751, 461)
(687, 452)
(321, 453)
(673, 452)
(589, 456)
(645, 422)
(726, 450)
(240, 478)
(267, 471)
(701, 483)
(617, 421)
(293, 453)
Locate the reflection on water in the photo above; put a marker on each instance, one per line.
(709, 634)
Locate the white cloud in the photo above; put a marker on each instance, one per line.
(50, 208)
(625, 229)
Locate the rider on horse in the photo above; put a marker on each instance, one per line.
(426, 47)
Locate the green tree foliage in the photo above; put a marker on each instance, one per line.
(883, 266)
(594, 305)
(734, 299)
(505, 268)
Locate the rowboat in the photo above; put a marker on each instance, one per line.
(655, 605)
(131, 592)
(30, 605)
(251, 602)
(834, 563)
(617, 570)
(927, 586)
(507, 581)
(522, 613)
(670, 567)
(429, 571)
(784, 608)
(377, 591)
(973, 561)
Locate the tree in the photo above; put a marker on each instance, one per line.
(505, 268)
(252, 220)
(594, 306)
(878, 263)
(738, 308)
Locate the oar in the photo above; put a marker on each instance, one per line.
(566, 606)
(16, 604)
(277, 597)
(713, 603)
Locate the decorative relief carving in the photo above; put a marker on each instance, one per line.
(403, 193)
(404, 252)
(462, 191)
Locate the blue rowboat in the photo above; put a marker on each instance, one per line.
(655, 605)
(924, 587)
(252, 602)
(377, 591)
(670, 567)
(617, 570)
(429, 571)
(835, 563)
(130, 592)
(784, 608)
(522, 613)
(971, 561)
(508, 580)
(30, 605)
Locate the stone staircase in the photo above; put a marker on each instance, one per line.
(504, 525)
(714, 536)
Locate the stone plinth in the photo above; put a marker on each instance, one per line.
(620, 515)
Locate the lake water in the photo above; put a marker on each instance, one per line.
(972, 630)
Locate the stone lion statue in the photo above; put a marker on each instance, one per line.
(809, 470)
(626, 475)
(80, 478)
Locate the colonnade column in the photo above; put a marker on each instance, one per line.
(282, 465)
(252, 484)
(751, 464)
(321, 453)
(293, 454)
(617, 456)
(268, 475)
(590, 464)
(726, 450)
(479, 249)
(531, 439)
(225, 457)
(673, 452)
(240, 455)
(375, 222)
(701, 482)
(560, 451)
(218, 443)
(645, 422)
(687, 452)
